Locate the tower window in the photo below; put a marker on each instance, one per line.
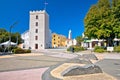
(36, 37)
(36, 23)
(36, 16)
(36, 31)
(36, 46)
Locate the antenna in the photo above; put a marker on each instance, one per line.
(45, 5)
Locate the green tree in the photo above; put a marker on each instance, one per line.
(115, 3)
(102, 21)
(16, 37)
(2, 30)
(79, 40)
(4, 36)
(116, 14)
(91, 22)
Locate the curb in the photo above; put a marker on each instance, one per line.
(47, 76)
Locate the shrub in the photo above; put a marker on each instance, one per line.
(19, 51)
(1, 49)
(69, 49)
(6, 49)
(99, 49)
(117, 48)
(28, 51)
(76, 48)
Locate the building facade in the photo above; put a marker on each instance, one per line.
(25, 38)
(58, 40)
(39, 32)
(91, 43)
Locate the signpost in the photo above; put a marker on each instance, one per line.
(110, 49)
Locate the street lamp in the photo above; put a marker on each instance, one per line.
(10, 36)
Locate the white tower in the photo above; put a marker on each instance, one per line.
(39, 30)
(70, 34)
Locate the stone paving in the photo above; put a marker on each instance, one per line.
(103, 76)
(31, 74)
(63, 55)
(28, 62)
(98, 76)
(27, 66)
(18, 67)
(48, 73)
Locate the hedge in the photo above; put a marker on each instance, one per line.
(19, 51)
(117, 49)
(76, 48)
(99, 49)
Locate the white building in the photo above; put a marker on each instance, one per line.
(91, 43)
(70, 41)
(25, 37)
(70, 34)
(39, 32)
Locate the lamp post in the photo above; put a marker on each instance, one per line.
(10, 36)
(10, 39)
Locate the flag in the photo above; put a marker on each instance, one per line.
(46, 3)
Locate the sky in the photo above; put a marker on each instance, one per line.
(64, 14)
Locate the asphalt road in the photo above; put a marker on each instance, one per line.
(110, 66)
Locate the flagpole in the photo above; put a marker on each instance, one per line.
(45, 5)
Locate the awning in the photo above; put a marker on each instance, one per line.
(7, 43)
(87, 41)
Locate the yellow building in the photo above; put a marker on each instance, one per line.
(58, 40)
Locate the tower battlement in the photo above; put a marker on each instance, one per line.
(40, 11)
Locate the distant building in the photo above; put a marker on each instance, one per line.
(39, 34)
(91, 43)
(25, 37)
(70, 41)
(58, 40)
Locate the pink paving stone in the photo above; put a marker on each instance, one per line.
(31, 74)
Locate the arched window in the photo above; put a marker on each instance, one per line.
(36, 37)
(36, 30)
(36, 24)
(36, 46)
(36, 16)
